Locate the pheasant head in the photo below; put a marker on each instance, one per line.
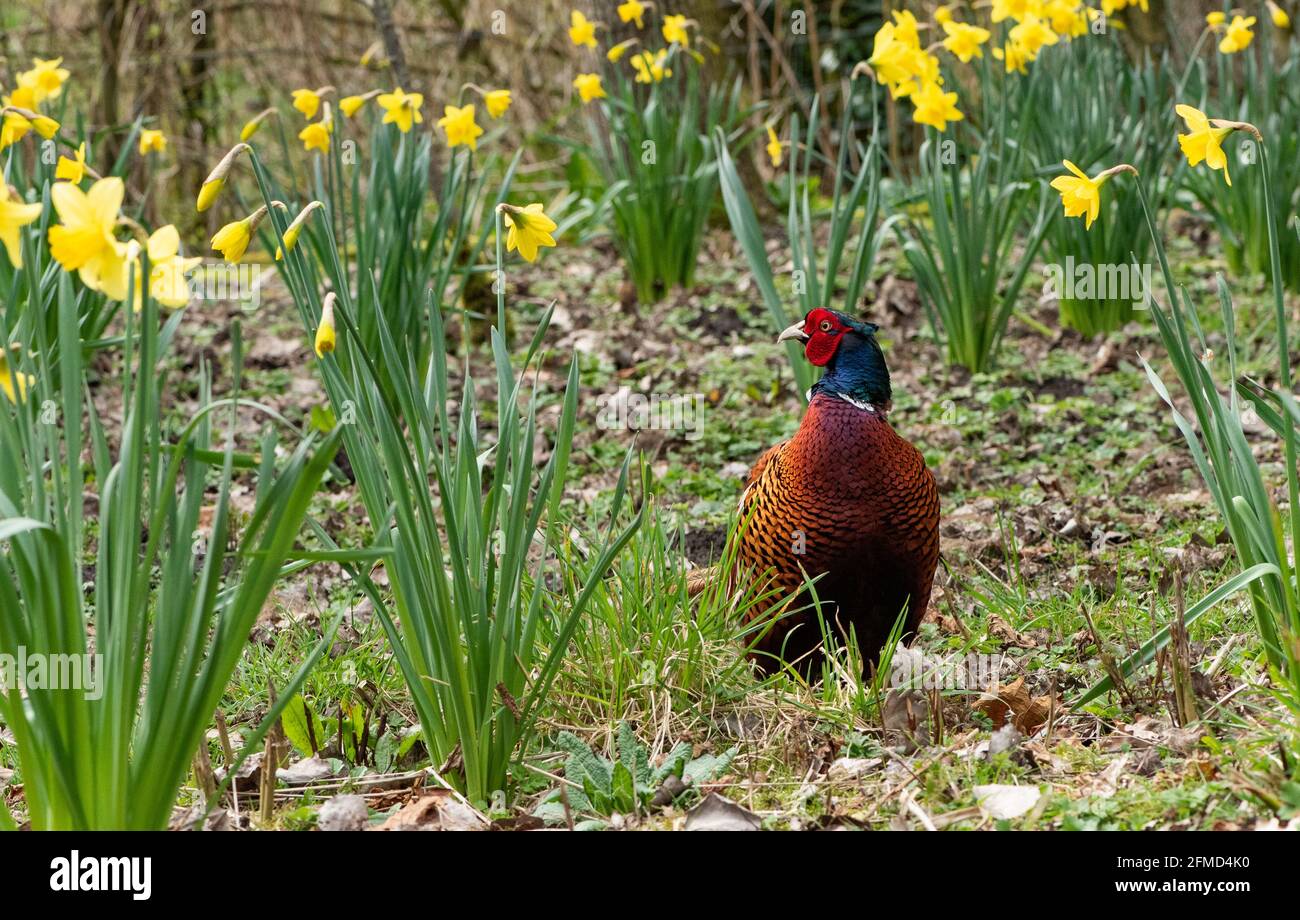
(847, 348)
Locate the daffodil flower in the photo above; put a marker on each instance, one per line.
(316, 136)
(459, 126)
(403, 109)
(325, 333)
(232, 240)
(13, 129)
(14, 215)
(934, 107)
(44, 125)
(307, 101)
(616, 52)
(632, 11)
(1205, 142)
(1279, 16)
(45, 79)
(773, 147)
(1080, 195)
(497, 101)
(1014, 57)
(167, 270)
(944, 13)
(588, 86)
(529, 227)
(582, 31)
(152, 141)
(13, 384)
(1032, 34)
(1215, 19)
(72, 170)
(650, 67)
(964, 41)
(216, 179)
(1238, 35)
(674, 29)
(83, 242)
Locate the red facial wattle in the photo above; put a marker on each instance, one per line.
(825, 332)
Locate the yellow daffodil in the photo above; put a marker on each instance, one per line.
(316, 136)
(1238, 35)
(1279, 16)
(14, 129)
(896, 56)
(650, 67)
(773, 147)
(616, 52)
(348, 105)
(232, 240)
(964, 40)
(588, 86)
(26, 119)
(1080, 195)
(307, 101)
(1066, 17)
(167, 270)
(1031, 33)
(497, 101)
(582, 31)
(152, 141)
(23, 97)
(1214, 20)
(674, 29)
(83, 242)
(294, 230)
(632, 11)
(216, 179)
(1015, 9)
(73, 170)
(403, 109)
(14, 215)
(1205, 142)
(45, 79)
(529, 229)
(1014, 57)
(934, 107)
(944, 13)
(459, 126)
(253, 124)
(325, 334)
(13, 384)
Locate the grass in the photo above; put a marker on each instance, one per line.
(1017, 453)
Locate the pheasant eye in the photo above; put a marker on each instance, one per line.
(826, 325)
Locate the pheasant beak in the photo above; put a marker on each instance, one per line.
(794, 332)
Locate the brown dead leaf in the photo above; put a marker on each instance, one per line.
(1012, 702)
(437, 810)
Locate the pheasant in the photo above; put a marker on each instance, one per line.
(846, 498)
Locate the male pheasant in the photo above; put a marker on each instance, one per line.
(847, 499)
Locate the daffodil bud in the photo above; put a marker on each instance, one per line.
(216, 179)
(294, 229)
(253, 124)
(325, 333)
(13, 384)
(232, 240)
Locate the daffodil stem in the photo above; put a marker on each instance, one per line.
(499, 280)
(1284, 354)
